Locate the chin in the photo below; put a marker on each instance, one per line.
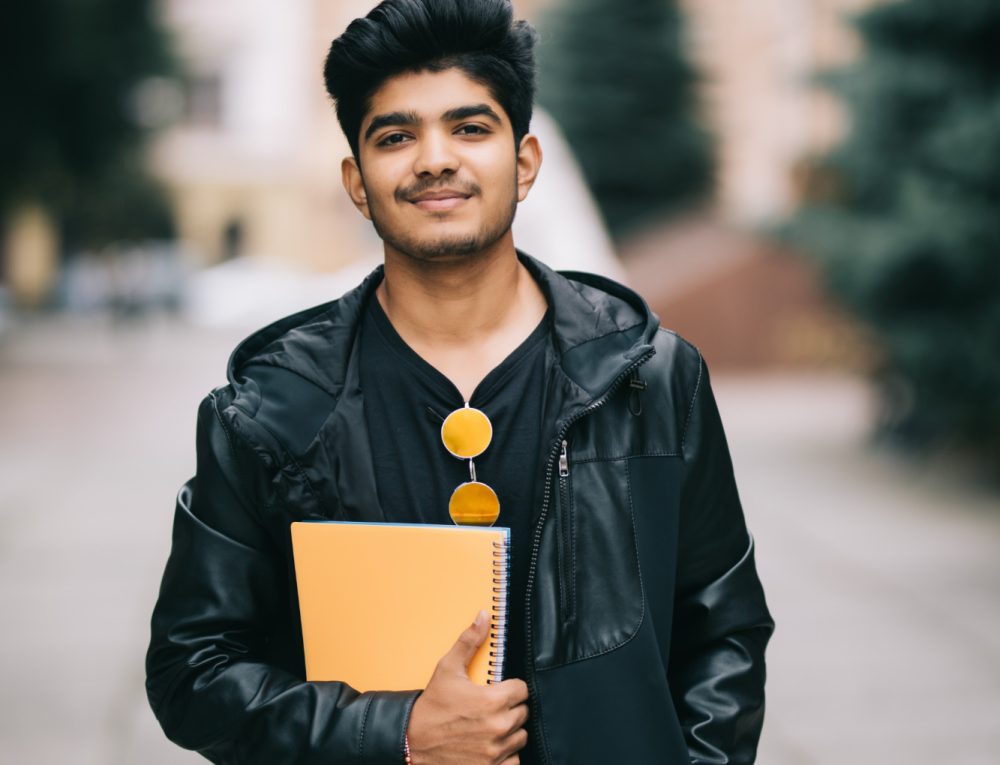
(442, 245)
(445, 248)
(445, 240)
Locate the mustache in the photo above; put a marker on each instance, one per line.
(407, 193)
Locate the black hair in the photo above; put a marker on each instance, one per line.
(479, 37)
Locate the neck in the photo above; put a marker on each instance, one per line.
(458, 301)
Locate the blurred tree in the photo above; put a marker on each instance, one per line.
(73, 131)
(615, 77)
(904, 219)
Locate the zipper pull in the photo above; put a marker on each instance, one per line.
(636, 386)
(563, 461)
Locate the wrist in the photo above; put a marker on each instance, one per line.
(407, 752)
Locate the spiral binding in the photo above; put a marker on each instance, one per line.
(498, 624)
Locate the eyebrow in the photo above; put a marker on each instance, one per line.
(392, 118)
(476, 110)
(406, 119)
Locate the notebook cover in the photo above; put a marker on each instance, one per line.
(381, 603)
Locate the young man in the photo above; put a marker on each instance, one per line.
(637, 622)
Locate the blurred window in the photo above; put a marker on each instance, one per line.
(204, 100)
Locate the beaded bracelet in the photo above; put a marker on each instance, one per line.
(407, 758)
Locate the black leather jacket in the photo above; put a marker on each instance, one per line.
(646, 622)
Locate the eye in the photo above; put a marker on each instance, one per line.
(393, 139)
(472, 130)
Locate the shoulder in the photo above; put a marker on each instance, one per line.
(286, 378)
(679, 366)
(677, 360)
(665, 389)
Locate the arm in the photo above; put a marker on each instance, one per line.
(208, 678)
(722, 622)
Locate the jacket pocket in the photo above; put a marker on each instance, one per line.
(588, 581)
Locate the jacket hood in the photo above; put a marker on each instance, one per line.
(600, 327)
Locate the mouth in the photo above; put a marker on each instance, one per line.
(440, 201)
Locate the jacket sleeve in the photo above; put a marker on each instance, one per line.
(225, 584)
(716, 664)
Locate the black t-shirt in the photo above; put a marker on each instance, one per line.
(405, 401)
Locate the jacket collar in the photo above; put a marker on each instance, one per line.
(600, 329)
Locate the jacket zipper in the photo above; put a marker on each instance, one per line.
(567, 589)
(557, 448)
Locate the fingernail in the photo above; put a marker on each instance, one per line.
(480, 618)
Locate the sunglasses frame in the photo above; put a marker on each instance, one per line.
(473, 481)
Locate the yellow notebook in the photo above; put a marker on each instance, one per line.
(382, 603)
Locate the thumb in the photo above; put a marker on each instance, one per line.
(468, 643)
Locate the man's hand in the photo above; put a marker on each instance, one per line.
(456, 722)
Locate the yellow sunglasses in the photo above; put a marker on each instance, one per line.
(466, 433)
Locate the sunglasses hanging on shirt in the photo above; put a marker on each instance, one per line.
(466, 433)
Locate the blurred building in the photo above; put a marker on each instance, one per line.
(755, 60)
(254, 163)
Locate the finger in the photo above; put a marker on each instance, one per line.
(511, 721)
(517, 717)
(513, 691)
(514, 743)
(461, 653)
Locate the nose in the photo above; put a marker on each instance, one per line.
(435, 155)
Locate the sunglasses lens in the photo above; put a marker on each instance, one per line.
(474, 504)
(466, 433)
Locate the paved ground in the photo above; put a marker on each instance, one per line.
(884, 578)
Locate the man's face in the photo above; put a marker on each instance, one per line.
(439, 176)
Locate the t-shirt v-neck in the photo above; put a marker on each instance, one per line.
(486, 389)
(405, 401)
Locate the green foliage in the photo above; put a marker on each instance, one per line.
(615, 76)
(71, 69)
(910, 238)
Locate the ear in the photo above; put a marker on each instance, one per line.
(354, 184)
(529, 162)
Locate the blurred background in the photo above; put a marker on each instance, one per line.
(805, 189)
